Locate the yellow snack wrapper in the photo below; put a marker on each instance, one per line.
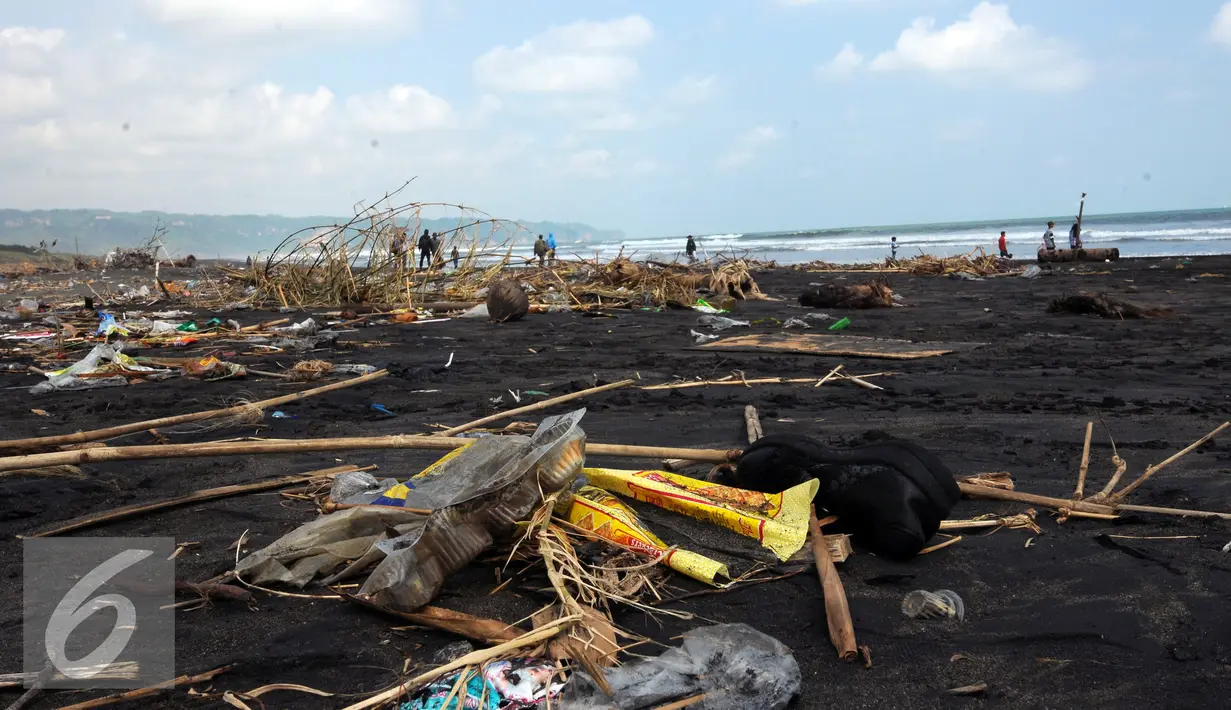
(601, 513)
(779, 521)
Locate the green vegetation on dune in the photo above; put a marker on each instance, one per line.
(206, 236)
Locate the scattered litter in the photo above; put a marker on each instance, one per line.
(699, 338)
(382, 409)
(796, 323)
(279, 414)
(722, 322)
(941, 604)
(511, 684)
(841, 325)
(1033, 272)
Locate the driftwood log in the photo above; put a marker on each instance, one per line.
(1062, 255)
(1100, 304)
(870, 295)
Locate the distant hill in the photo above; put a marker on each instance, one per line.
(206, 236)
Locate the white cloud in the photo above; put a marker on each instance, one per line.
(109, 122)
(580, 57)
(1220, 29)
(249, 19)
(748, 147)
(843, 64)
(988, 43)
(402, 109)
(692, 90)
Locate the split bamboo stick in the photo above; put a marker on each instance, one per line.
(837, 611)
(1085, 462)
(534, 407)
(82, 437)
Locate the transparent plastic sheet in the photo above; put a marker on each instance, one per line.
(477, 496)
(325, 543)
(734, 665)
(102, 354)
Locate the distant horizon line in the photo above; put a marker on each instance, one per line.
(902, 225)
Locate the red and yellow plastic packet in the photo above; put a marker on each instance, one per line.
(597, 511)
(779, 521)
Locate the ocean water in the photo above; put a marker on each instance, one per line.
(1186, 233)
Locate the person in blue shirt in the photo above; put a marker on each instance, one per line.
(551, 247)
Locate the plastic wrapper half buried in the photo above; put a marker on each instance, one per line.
(597, 511)
(779, 521)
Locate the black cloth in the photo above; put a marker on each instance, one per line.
(890, 495)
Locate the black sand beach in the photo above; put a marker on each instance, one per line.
(1087, 614)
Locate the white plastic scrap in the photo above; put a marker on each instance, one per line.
(699, 338)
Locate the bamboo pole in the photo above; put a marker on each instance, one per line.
(82, 437)
(129, 511)
(1085, 462)
(395, 441)
(976, 491)
(534, 407)
(837, 611)
(1172, 459)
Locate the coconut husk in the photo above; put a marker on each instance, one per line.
(506, 301)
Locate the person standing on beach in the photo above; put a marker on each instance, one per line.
(455, 256)
(397, 249)
(893, 248)
(540, 250)
(551, 247)
(691, 248)
(1004, 247)
(1049, 239)
(425, 248)
(1075, 236)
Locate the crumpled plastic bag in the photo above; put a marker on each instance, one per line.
(734, 665)
(300, 330)
(722, 322)
(1033, 272)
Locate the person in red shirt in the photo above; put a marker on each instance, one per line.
(1004, 247)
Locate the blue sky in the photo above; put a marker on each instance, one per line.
(655, 118)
